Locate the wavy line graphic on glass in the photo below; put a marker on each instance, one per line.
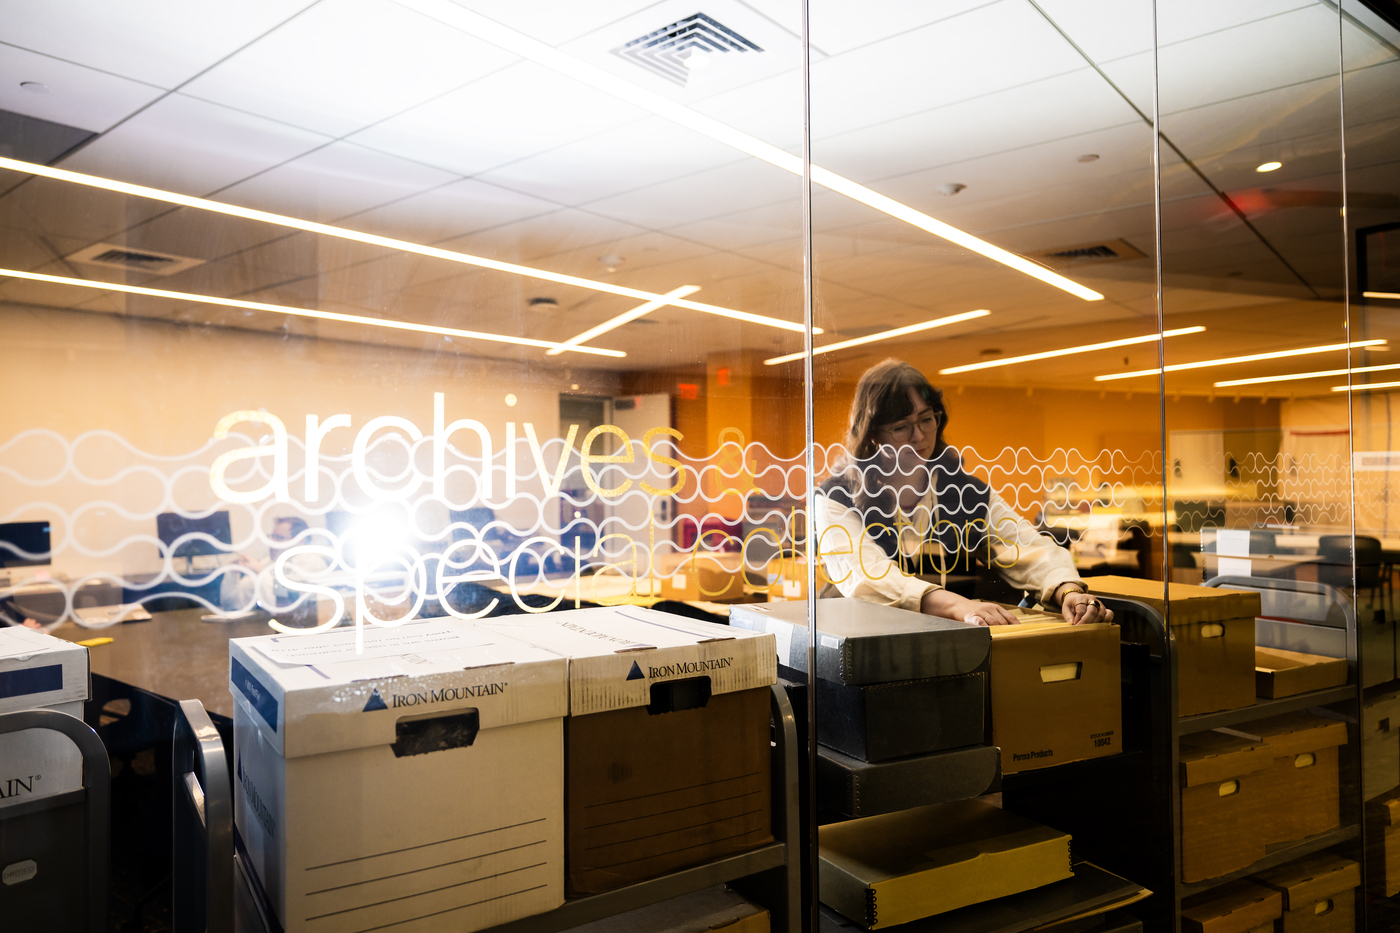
(748, 477)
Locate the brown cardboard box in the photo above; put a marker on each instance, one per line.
(1056, 693)
(1238, 907)
(712, 576)
(1301, 785)
(650, 794)
(1214, 632)
(882, 871)
(787, 579)
(1380, 745)
(1319, 893)
(1279, 673)
(1383, 846)
(1222, 804)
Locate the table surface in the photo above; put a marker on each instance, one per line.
(174, 655)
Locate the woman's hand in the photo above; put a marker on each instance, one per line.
(949, 605)
(1081, 608)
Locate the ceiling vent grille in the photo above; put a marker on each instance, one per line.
(134, 260)
(1085, 253)
(669, 51)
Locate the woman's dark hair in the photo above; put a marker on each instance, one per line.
(882, 397)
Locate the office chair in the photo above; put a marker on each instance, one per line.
(201, 883)
(55, 848)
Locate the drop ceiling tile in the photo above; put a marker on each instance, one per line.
(153, 41)
(508, 115)
(707, 194)
(334, 182)
(579, 238)
(58, 208)
(838, 26)
(192, 147)
(462, 207)
(76, 96)
(345, 64)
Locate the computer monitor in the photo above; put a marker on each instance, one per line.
(20, 538)
(170, 526)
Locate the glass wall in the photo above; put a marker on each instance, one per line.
(331, 316)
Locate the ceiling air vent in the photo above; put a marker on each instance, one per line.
(674, 51)
(1103, 251)
(135, 260)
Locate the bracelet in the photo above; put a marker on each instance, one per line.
(1060, 600)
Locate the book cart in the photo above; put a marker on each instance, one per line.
(768, 875)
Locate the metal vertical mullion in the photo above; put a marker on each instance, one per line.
(808, 320)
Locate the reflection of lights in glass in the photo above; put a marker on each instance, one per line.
(883, 335)
(1269, 166)
(1069, 351)
(445, 11)
(304, 312)
(511, 400)
(623, 318)
(1367, 388)
(1316, 375)
(1253, 357)
(1395, 295)
(218, 207)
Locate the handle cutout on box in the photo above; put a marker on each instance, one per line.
(1305, 760)
(1322, 907)
(1229, 788)
(1212, 630)
(424, 734)
(1055, 673)
(673, 696)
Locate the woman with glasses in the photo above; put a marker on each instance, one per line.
(902, 493)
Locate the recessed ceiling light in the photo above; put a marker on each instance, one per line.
(1269, 166)
(952, 188)
(883, 335)
(611, 262)
(1313, 375)
(511, 400)
(37, 87)
(990, 351)
(542, 304)
(1089, 157)
(1069, 351)
(1366, 388)
(1251, 358)
(623, 318)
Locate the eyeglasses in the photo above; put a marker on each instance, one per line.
(901, 432)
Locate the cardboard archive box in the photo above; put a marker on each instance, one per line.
(1380, 745)
(1301, 786)
(885, 870)
(417, 783)
(1319, 893)
(1238, 907)
(1222, 804)
(39, 671)
(892, 683)
(1383, 846)
(712, 576)
(1279, 673)
(1056, 693)
(1214, 632)
(667, 744)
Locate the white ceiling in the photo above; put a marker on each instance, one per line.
(367, 114)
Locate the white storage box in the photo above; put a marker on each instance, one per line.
(39, 671)
(418, 785)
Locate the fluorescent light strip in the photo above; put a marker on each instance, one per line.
(444, 11)
(1068, 351)
(1178, 367)
(623, 318)
(1374, 385)
(1395, 295)
(1316, 375)
(883, 335)
(219, 207)
(305, 312)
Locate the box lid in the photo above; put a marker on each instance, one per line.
(314, 693)
(617, 653)
(859, 642)
(37, 670)
(1389, 811)
(1185, 604)
(1234, 908)
(1215, 756)
(1295, 733)
(1309, 880)
(1273, 660)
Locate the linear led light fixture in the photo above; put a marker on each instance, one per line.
(1365, 388)
(449, 13)
(1069, 351)
(621, 319)
(1225, 361)
(1315, 375)
(306, 312)
(281, 220)
(883, 335)
(1395, 295)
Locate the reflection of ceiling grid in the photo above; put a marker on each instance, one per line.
(575, 177)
